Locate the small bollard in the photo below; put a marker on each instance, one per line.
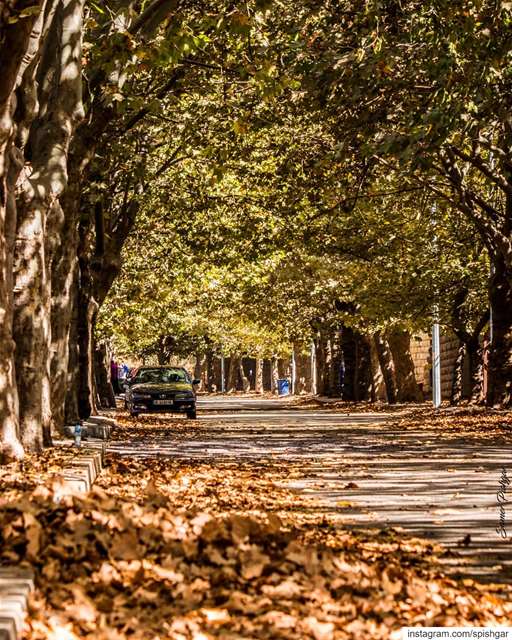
(78, 434)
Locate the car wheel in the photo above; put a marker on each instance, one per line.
(192, 414)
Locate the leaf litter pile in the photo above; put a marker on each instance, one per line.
(181, 550)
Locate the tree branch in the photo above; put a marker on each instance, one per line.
(477, 162)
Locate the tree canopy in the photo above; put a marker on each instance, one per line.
(260, 170)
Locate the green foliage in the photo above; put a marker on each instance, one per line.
(301, 172)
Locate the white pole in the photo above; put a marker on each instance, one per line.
(436, 365)
(313, 368)
(222, 380)
(294, 372)
(490, 313)
(436, 338)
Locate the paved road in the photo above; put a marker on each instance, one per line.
(442, 489)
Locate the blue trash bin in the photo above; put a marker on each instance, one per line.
(283, 387)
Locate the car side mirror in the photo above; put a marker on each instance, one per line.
(196, 381)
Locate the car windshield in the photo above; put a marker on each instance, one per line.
(160, 376)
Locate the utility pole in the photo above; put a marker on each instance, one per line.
(222, 375)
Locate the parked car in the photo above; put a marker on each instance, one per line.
(161, 390)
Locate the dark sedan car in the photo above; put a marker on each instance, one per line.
(161, 390)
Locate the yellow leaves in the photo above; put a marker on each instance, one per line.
(384, 68)
(240, 127)
(25, 13)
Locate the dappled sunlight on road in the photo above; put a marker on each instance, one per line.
(435, 476)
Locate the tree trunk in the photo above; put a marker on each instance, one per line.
(234, 370)
(386, 366)
(475, 353)
(321, 361)
(19, 43)
(87, 311)
(349, 382)
(378, 388)
(161, 353)
(499, 386)
(200, 372)
(363, 380)
(457, 391)
(85, 317)
(407, 387)
(258, 386)
(469, 351)
(72, 379)
(10, 443)
(59, 101)
(246, 384)
(274, 374)
(29, 324)
(210, 371)
(104, 387)
(336, 360)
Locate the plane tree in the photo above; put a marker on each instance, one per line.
(422, 89)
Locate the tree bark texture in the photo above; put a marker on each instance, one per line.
(336, 363)
(234, 372)
(386, 366)
(274, 374)
(499, 387)
(58, 78)
(258, 376)
(407, 386)
(103, 384)
(18, 39)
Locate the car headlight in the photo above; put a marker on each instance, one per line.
(141, 396)
(183, 396)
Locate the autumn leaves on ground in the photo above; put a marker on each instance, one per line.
(174, 549)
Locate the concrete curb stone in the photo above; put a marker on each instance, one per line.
(94, 427)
